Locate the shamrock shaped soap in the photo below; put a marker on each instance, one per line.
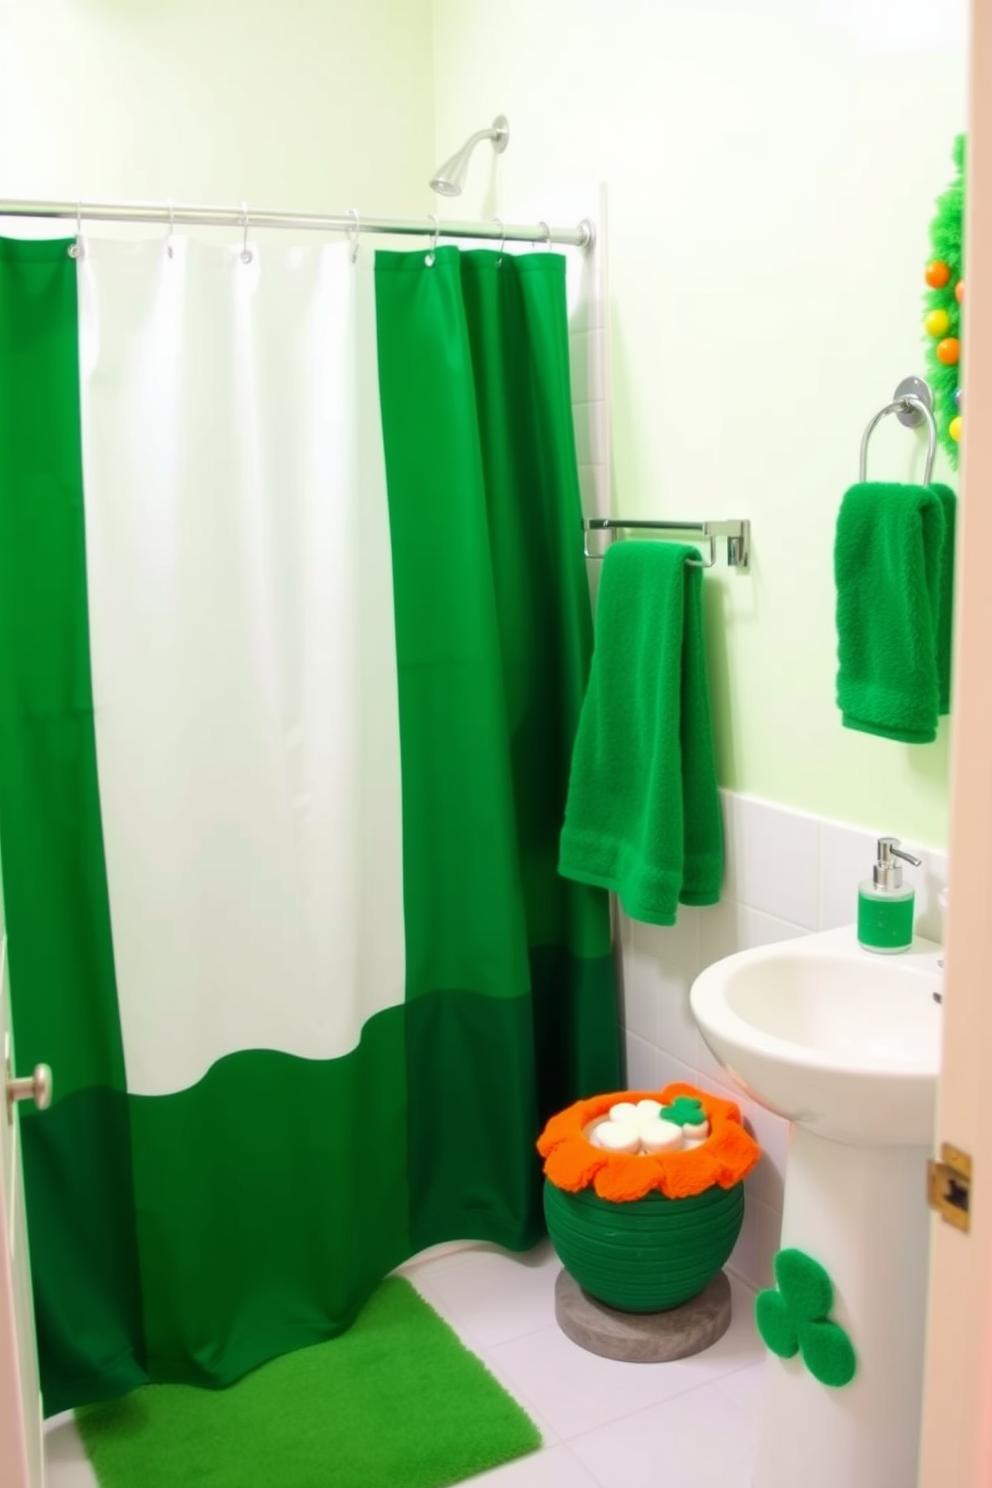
(687, 1112)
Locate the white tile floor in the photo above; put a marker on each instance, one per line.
(689, 1424)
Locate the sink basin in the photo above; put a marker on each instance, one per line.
(844, 1042)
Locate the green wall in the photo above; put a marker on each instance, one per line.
(767, 234)
(771, 169)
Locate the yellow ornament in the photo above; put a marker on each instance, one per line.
(937, 323)
(954, 428)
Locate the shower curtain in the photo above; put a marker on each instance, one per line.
(294, 631)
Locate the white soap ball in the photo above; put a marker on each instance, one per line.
(660, 1136)
(696, 1134)
(618, 1136)
(648, 1107)
(623, 1111)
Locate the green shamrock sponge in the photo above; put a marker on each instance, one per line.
(795, 1319)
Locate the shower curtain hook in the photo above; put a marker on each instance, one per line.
(502, 227)
(245, 250)
(547, 235)
(76, 248)
(352, 233)
(172, 229)
(432, 251)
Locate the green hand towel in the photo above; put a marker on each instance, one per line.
(643, 813)
(945, 608)
(894, 574)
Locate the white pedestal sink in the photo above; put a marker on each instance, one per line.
(845, 1044)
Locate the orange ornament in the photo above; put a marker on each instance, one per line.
(959, 291)
(937, 274)
(949, 351)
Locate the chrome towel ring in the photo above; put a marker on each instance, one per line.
(913, 404)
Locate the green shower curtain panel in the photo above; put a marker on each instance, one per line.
(294, 633)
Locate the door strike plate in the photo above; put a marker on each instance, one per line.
(949, 1186)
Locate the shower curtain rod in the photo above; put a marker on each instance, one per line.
(175, 214)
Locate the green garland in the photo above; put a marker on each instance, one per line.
(945, 278)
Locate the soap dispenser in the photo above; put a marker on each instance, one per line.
(885, 903)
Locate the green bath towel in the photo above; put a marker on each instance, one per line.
(894, 568)
(643, 813)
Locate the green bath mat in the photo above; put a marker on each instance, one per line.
(396, 1402)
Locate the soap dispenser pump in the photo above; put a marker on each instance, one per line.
(885, 903)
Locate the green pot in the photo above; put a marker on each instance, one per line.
(647, 1255)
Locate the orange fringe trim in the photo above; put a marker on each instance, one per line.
(571, 1161)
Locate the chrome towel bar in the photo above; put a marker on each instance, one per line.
(738, 535)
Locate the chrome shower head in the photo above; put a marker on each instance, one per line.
(449, 178)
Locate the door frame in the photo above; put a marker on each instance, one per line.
(22, 1452)
(956, 1442)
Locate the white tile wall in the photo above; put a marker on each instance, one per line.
(787, 874)
(588, 340)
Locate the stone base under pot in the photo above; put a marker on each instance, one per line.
(643, 1337)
